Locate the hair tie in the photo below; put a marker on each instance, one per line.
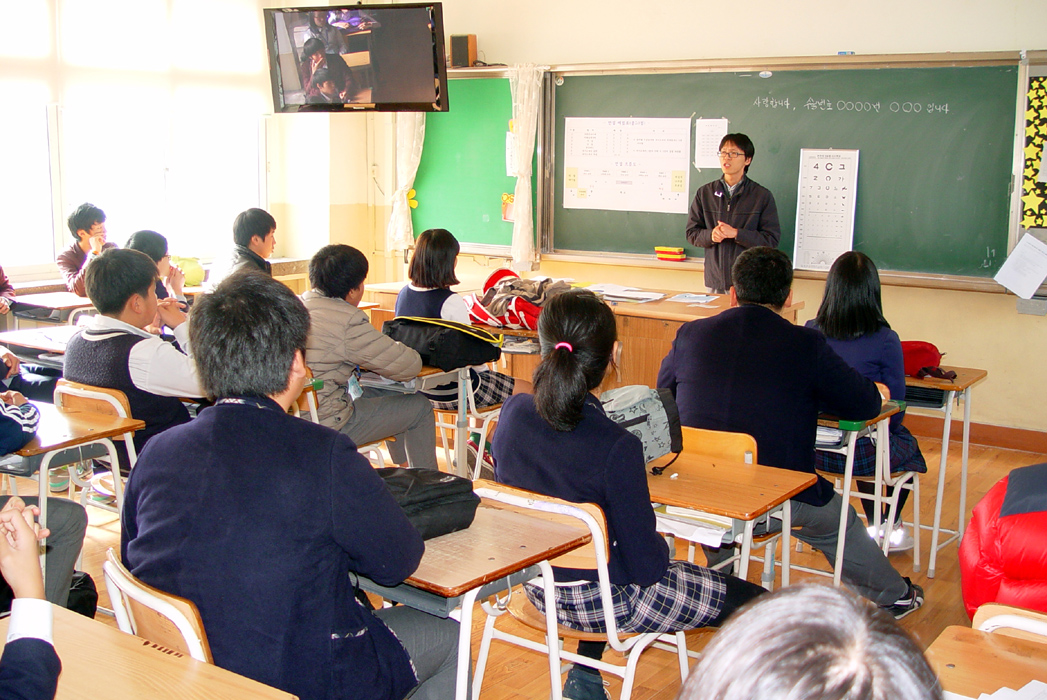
(564, 345)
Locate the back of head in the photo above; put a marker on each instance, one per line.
(83, 218)
(577, 333)
(321, 76)
(149, 242)
(115, 276)
(813, 642)
(763, 276)
(337, 269)
(312, 45)
(245, 335)
(851, 305)
(250, 223)
(432, 265)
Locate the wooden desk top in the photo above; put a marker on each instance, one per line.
(61, 430)
(51, 339)
(666, 310)
(970, 662)
(499, 542)
(888, 409)
(99, 661)
(721, 487)
(55, 300)
(965, 377)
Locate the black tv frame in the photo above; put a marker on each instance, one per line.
(439, 63)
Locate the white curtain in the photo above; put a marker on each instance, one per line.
(410, 133)
(526, 84)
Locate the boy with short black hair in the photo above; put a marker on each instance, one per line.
(254, 238)
(115, 351)
(87, 224)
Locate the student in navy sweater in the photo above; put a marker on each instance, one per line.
(851, 317)
(263, 519)
(559, 442)
(429, 295)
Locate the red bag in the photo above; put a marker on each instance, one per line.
(918, 354)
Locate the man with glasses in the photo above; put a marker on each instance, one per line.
(731, 214)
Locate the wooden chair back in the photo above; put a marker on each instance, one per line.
(582, 558)
(1011, 621)
(720, 444)
(74, 397)
(161, 618)
(307, 401)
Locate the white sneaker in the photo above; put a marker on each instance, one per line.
(900, 537)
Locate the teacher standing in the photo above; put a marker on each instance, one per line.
(731, 214)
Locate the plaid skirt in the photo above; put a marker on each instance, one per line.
(687, 597)
(489, 388)
(905, 456)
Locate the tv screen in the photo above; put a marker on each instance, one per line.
(380, 57)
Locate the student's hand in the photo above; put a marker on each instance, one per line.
(727, 231)
(12, 362)
(19, 552)
(13, 398)
(171, 313)
(175, 281)
(96, 242)
(885, 393)
(717, 234)
(5, 305)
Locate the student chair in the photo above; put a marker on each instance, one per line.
(306, 406)
(73, 397)
(592, 556)
(1011, 621)
(480, 421)
(161, 618)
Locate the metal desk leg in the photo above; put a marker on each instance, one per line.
(465, 633)
(741, 567)
(963, 468)
(787, 529)
(42, 478)
(936, 528)
(461, 433)
(841, 539)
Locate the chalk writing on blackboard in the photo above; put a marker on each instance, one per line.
(828, 104)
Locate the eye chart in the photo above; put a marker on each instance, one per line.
(825, 207)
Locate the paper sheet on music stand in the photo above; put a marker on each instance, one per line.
(707, 136)
(1025, 268)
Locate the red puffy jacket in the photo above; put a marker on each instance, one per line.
(1003, 556)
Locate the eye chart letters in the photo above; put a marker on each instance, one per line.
(825, 207)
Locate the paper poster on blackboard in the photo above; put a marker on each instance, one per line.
(824, 207)
(627, 164)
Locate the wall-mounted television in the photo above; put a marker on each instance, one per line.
(387, 58)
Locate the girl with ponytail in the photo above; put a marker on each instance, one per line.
(558, 442)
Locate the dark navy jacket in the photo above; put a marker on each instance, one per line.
(29, 669)
(598, 462)
(421, 304)
(259, 517)
(749, 370)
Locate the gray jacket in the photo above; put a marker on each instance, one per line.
(341, 338)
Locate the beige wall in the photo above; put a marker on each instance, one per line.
(975, 329)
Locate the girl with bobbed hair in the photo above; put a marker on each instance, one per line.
(812, 642)
(851, 317)
(559, 442)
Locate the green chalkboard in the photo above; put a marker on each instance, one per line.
(936, 152)
(461, 177)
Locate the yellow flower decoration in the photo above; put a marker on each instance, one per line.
(411, 201)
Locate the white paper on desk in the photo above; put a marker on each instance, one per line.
(690, 529)
(1033, 690)
(687, 298)
(1025, 268)
(707, 136)
(377, 381)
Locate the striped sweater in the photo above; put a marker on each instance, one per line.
(17, 426)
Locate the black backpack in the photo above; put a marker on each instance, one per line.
(445, 344)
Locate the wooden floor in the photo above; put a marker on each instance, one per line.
(514, 673)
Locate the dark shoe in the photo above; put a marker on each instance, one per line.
(584, 685)
(912, 600)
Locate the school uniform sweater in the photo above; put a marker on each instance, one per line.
(598, 462)
(260, 519)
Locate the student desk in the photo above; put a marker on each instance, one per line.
(63, 302)
(941, 394)
(99, 661)
(59, 441)
(970, 662)
(43, 345)
(499, 550)
(879, 429)
(731, 489)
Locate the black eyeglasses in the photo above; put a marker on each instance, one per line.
(729, 154)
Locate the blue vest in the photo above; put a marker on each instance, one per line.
(427, 304)
(99, 358)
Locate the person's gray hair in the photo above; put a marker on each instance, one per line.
(812, 642)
